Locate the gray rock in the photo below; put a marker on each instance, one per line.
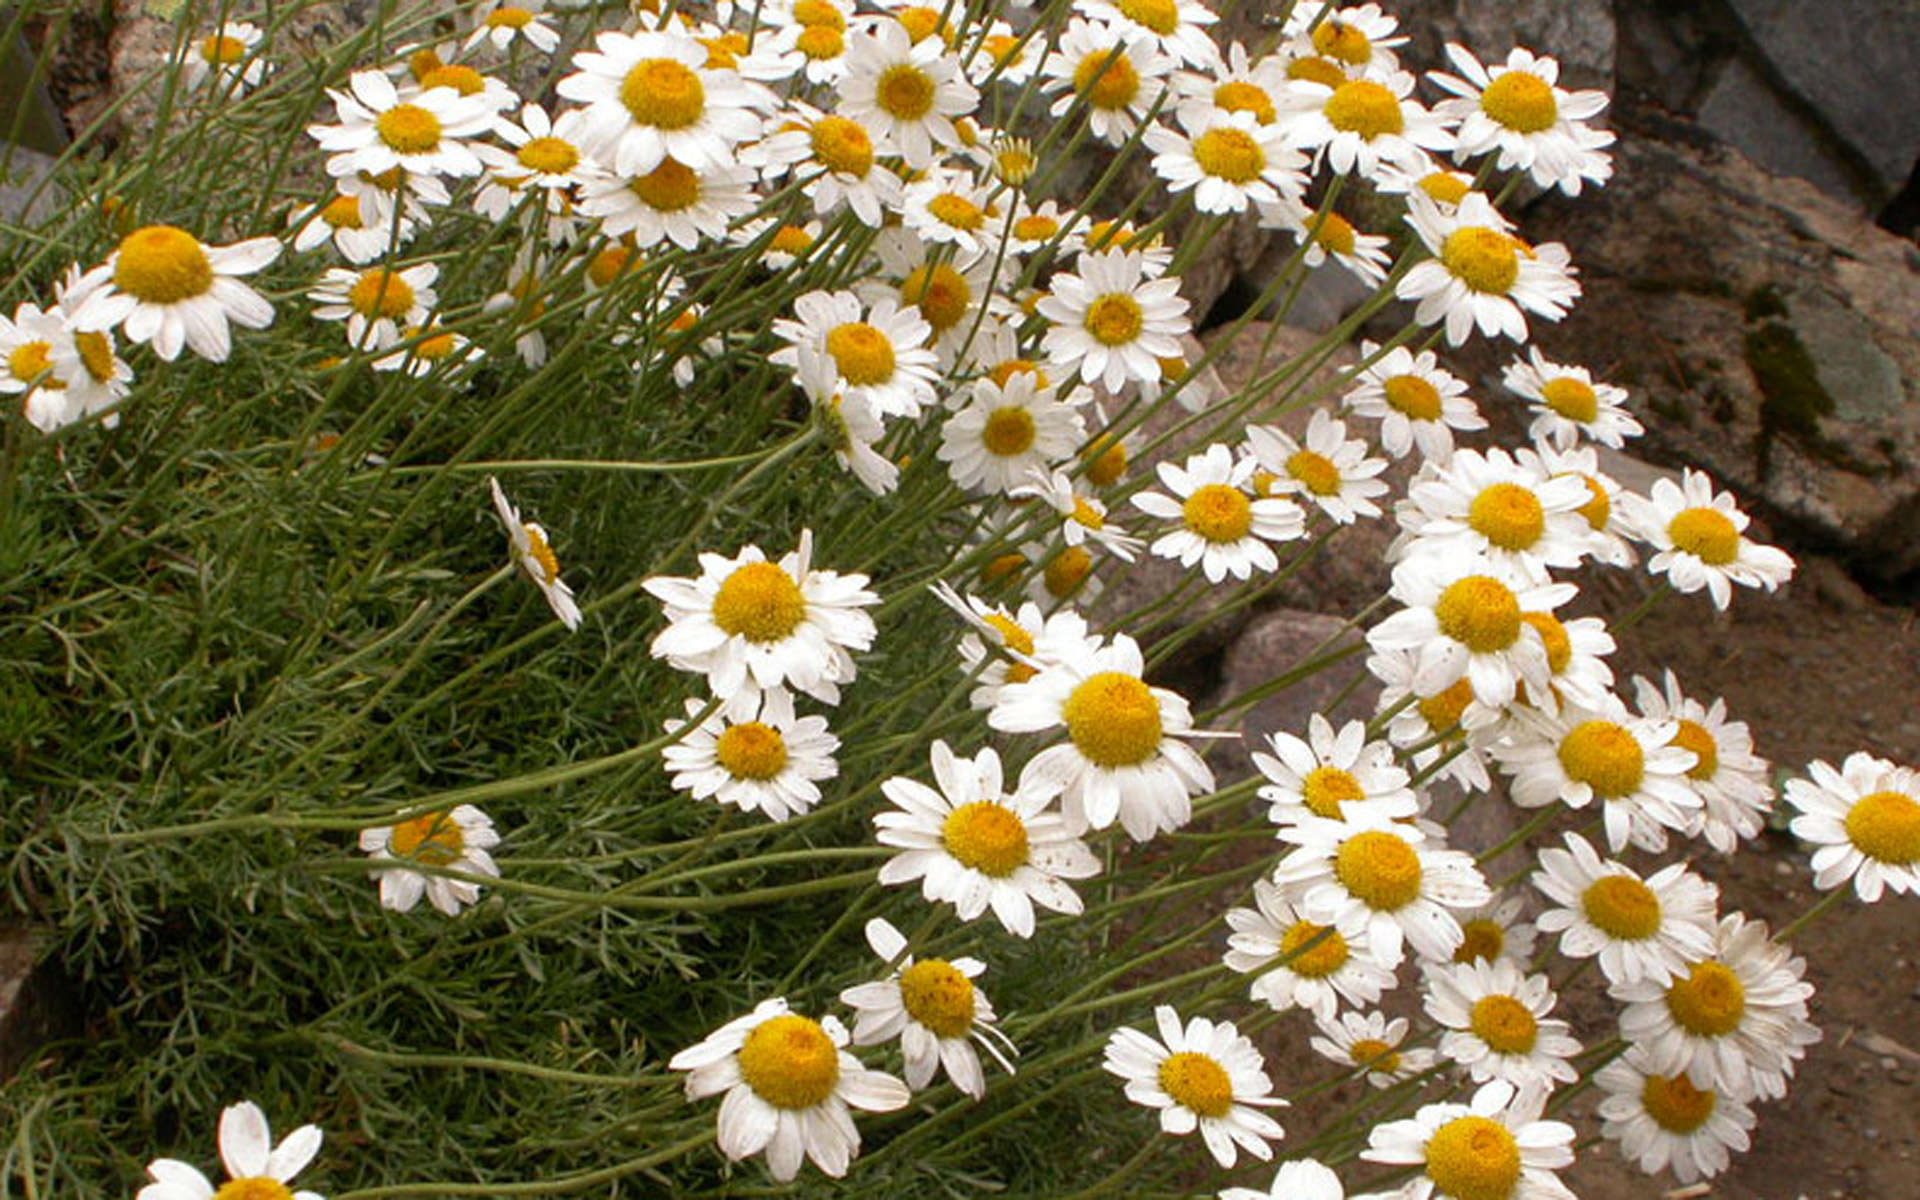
(1272, 645)
(1579, 33)
(35, 1004)
(23, 180)
(1745, 110)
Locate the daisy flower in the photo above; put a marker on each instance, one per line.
(1123, 758)
(376, 303)
(650, 96)
(1176, 27)
(1495, 1145)
(1005, 56)
(789, 1085)
(227, 56)
(1416, 402)
(163, 285)
(1736, 793)
(1497, 507)
(1639, 928)
(1006, 432)
(1519, 110)
(256, 1165)
(1567, 403)
(747, 622)
(1360, 39)
(533, 554)
(1330, 235)
(362, 226)
(1495, 932)
(850, 426)
(1577, 671)
(1465, 618)
(1299, 963)
(1663, 1121)
(1327, 771)
(1237, 82)
(1699, 539)
(1735, 1022)
(977, 847)
(1629, 764)
(89, 363)
(456, 840)
(759, 757)
(835, 159)
(501, 25)
(947, 207)
(1497, 1026)
(1608, 539)
(934, 1008)
(1430, 727)
(1110, 322)
(542, 158)
(27, 342)
(422, 133)
(1370, 1042)
(1229, 160)
(1324, 467)
(1084, 518)
(1301, 1179)
(1865, 819)
(909, 92)
(1360, 124)
(1205, 1076)
(948, 289)
(814, 49)
(1389, 873)
(1480, 273)
(1117, 77)
(880, 353)
(672, 202)
(1028, 640)
(1223, 528)
(423, 349)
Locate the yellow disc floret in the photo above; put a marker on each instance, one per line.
(1379, 868)
(1473, 1158)
(408, 129)
(508, 16)
(1482, 940)
(1314, 69)
(670, 187)
(1008, 431)
(760, 602)
(1364, 107)
(1374, 1054)
(1114, 319)
(1553, 635)
(1413, 397)
(1344, 41)
(1325, 789)
(1106, 462)
(663, 93)
(1480, 613)
(821, 43)
(1230, 154)
(1709, 1002)
(537, 547)
(1521, 101)
(1161, 16)
(1218, 513)
(987, 837)
(1446, 187)
(1319, 960)
(1675, 1104)
(941, 293)
(1507, 515)
(905, 92)
(1486, 260)
(29, 359)
(342, 212)
(1442, 710)
(222, 51)
(253, 1187)
(96, 354)
(937, 995)
(1692, 735)
(162, 265)
(1107, 80)
(751, 750)
(1622, 907)
(380, 292)
(1504, 1024)
(1572, 398)
(1604, 756)
(1114, 720)
(464, 80)
(432, 838)
(790, 1062)
(1067, 571)
(1238, 96)
(956, 211)
(1198, 1083)
(1316, 471)
(861, 353)
(1886, 826)
(842, 146)
(1707, 534)
(548, 155)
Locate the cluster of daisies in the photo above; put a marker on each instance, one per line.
(1005, 334)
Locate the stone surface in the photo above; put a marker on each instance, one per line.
(1745, 110)
(22, 181)
(1272, 645)
(35, 1007)
(1579, 33)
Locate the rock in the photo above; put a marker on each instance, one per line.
(35, 1007)
(1772, 334)
(26, 169)
(1579, 33)
(1270, 646)
(1744, 109)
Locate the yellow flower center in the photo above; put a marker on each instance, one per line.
(1599, 509)
(1218, 513)
(408, 129)
(1314, 69)
(1480, 613)
(1507, 515)
(342, 212)
(956, 211)
(861, 353)
(1622, 907)
(1604, 756)
(1504, 1024)
(30, 359)
(162, 265)
(1014, 163)
(723, 52)
(1692, 735)
(842, 146)
(760, 602)
(607, 264)
(669, 187)
(1012, 635)
(1239, 96)
(253, 1187)
(1473, 1158)
(1198, 1083)
(464, 80)
(790, 1062)
(432, 838)
(1374, 1054)
(1107, 80)
(421, 61)
(537, 548)
(1483, 941)
(1336, 235)
(1413, 397)
(1326, 956)
(1705, 533)
(1483, 259)
(1230, 154)
(1339, 40)
(509, 17)
(1442, 710)
(1316, 471)
(96, 354)
(1114, 319)
(223, 51)
(549, 155)
(920, 22)
(1379, 868)
(663, 93)
(1521, 101)
(1002, 568)
(791, 239)
(1571, 398)
(751, 750)
(437, 347)
(1106, 463)
(1325, 789)
(941, 293)
(1445, 186)
(905, 92)
(819, 14)
(1001, 48)
(937, 995)
(1709, 1002)
(1114, 720)
(986, 836)
(1364, 107)
(1068, 570)
(1086, 514)
(1553, 635)
(821, 43)
(1009, 431)
(1886, 826)
(1675, 1104)
(380, 292)
(1161, 16)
